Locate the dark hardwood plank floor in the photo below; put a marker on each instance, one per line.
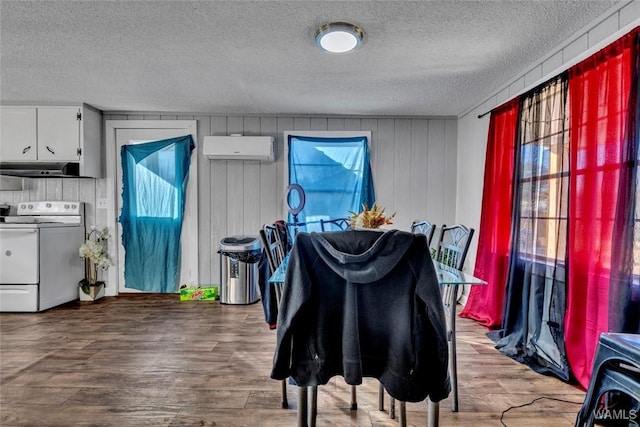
(152, 360)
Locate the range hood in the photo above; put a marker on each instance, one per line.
(41, 169)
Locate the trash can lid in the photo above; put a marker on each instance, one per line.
(239, 243)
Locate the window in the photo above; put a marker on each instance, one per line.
(543, 177)
(334, 172)
(157, 171)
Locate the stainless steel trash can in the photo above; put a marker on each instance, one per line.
(239, 256)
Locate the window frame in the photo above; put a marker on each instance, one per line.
(315, 134)
(532, 136)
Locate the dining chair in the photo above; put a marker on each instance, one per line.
(273, 247)
(334, 224)
(307, 395)
(616, 368)
(428, 230)
(337, 224)
(451, 250)
(272, 242)
(285, 239)
(424, 227)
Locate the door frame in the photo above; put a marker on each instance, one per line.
(111, 128)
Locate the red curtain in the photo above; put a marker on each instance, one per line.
(599, 90)
(492, 261)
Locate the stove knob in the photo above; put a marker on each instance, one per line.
(23, 206)
(66, 206)
(48, 205)
(73, 206)
(30, 206)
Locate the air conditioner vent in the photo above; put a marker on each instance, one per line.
(239, 147)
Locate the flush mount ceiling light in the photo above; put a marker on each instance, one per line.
(339, 37)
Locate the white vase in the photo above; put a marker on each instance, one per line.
(95, 293)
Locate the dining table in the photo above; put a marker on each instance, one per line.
(447, 276)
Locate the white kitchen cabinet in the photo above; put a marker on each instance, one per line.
(59, 134)
(53, 134)
(18, 134)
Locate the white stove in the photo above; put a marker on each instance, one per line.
(56, 213)
(39, 262)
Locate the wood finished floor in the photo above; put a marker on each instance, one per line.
(155, 361)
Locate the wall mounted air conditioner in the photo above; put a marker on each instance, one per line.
(239, 147)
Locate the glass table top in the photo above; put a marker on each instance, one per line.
(450, 276)
(446, 275)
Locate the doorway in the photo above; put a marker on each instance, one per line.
(121, 132)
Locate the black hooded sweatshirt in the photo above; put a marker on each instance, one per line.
(363, 304)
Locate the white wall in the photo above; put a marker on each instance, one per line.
(413, 162)
(472, 131)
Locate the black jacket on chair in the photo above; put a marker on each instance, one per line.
(363, 304)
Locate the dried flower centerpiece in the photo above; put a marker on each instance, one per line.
(94, 252)
(370, 218)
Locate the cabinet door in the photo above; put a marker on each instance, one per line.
(18, 134)
(58, 134)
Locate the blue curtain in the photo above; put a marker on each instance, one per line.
(154, 184)
(335, 174)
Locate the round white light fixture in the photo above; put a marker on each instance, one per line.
(339, 37)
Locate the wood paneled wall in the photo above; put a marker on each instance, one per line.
(413, 162)
(73, 189)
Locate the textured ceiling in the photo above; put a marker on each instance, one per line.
(259, 57)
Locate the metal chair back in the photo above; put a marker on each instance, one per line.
(453, 245)
(424, 227)
(272, 243)
(334, 224)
